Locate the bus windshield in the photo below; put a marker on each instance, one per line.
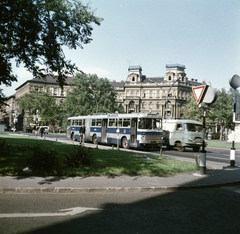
(192, 127)
(147, 123)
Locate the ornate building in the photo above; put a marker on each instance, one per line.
(163, 95)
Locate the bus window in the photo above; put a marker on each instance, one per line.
(93, 122)
(98, 123)
(120, 122)
(76, 122)
(145, 123)
(111, 122)
(126, 122)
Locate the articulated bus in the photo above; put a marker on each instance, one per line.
(137, 130)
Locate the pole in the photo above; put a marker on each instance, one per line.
(232, 152)
(203, 151)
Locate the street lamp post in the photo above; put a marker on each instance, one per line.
(168, 94)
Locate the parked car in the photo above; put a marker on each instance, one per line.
(46, 129)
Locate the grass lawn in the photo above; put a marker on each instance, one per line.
(222, 144)
(14, 158)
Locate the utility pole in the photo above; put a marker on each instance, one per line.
(234, 82)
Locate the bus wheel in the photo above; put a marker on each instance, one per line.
(95, 140)
(125, 143)
(196, 149)
(180, 148)
(73, 137)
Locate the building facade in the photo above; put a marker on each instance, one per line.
(162, 95)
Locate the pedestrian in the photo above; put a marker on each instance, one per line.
(41, 131)
(82, 134)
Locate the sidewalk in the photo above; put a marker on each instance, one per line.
(218, 175)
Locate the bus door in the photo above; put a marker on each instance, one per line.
(133, 132)
(104, 131)
(68, 128)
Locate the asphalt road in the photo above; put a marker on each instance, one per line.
(195, 211)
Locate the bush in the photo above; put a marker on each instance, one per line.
(43, 159)
(79, 157)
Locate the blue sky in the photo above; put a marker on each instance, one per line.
(203, 35)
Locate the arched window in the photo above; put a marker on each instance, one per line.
(150, 105)
(133, 78)
(131, 105)
(169, 78)
(168, 106)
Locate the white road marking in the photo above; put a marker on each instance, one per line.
(65, 212)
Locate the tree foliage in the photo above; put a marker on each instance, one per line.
(220, 112)
(33, 32)
(90, 95)
(191, 110)
(45, 103)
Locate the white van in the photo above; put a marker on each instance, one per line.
(183, 133)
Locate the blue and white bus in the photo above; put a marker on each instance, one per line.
(137, 130)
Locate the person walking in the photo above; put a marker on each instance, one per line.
(41, 131)
(82, 134)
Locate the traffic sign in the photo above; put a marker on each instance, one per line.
(199, 92)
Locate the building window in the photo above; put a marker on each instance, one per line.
(158, 105)
(158, 94)
(169, 78)
(144, 94)
(182, 94)
(131, 105)
(143, 105)
(36, 88)
(151, 94)
(150, 105)
(132, 93)
(62, 92)
(55, 91)
(168, 105)
(120, 97)
(133, 79)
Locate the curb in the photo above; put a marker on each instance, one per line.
(75, 190)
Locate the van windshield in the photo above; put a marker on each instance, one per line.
(192, 127)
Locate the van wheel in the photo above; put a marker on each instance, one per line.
(125, 143)
(196, 149)
(95, 140)
(180, 148)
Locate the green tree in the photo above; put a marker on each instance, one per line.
(33, 32)
(46, 105)
(191, 110)
(223, 110)
(90, 95)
